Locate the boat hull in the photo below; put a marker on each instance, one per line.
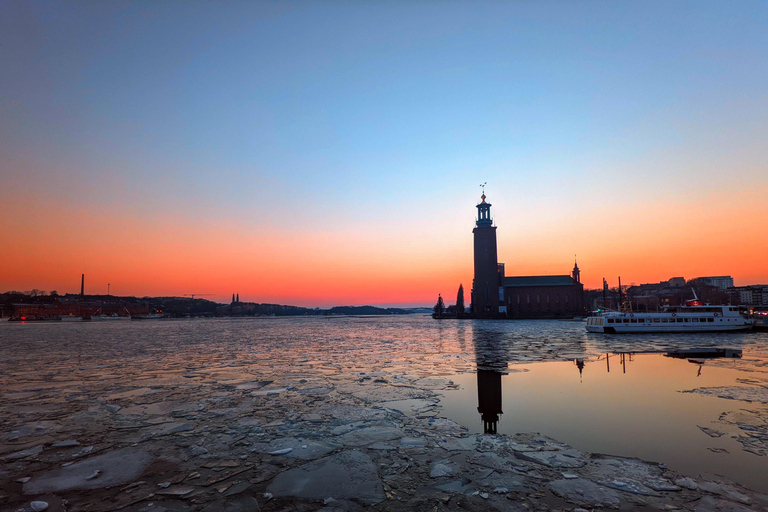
(640, 330)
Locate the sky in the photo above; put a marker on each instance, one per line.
(330, 153)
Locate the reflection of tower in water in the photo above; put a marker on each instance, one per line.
(580, 365)
(491, 356)
(489, 399)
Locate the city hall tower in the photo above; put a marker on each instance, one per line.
(485, 286)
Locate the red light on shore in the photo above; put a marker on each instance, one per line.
(23, 318)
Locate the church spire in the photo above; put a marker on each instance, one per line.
(576, 272)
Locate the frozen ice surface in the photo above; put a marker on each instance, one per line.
(453, 444)
(585, 493)
(114, 468)
(555, 459)
(745, 393)
(206, 407)
(440, 469)
(301, 448)
(370, 435)
(23, 454)
(349, 474)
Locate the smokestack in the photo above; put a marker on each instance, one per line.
(82, 286)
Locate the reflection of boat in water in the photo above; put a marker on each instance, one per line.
(35, 319)
(761, 320)
(688, 318)
(71, 318)
(148, 316)
(113, 316)
(705, 353)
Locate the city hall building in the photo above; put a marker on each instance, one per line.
(494, 295)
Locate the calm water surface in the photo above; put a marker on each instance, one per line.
(599, 393)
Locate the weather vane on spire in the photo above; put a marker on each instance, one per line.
(482, 185)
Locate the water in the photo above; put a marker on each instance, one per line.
(545, 376)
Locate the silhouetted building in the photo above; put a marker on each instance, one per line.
(494, 295)
(485, 286)
(675, 282)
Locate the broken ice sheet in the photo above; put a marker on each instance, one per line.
(585, 493)
(300, 448)
(271, 390)
(116, 467)
(350, 474)
(745, 393)
(753, 429)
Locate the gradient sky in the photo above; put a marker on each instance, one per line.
(330, 153)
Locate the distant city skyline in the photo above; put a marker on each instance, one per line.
(330, 154)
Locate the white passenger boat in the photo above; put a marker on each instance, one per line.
(687, 318)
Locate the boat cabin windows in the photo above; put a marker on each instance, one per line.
(657, 320)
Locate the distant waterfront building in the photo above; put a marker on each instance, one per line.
(721, 282)
(752, 295)
(494, 295)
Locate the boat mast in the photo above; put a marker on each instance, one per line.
(621, 299)
(605, 288)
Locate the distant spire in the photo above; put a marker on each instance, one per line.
(238, 297)
(576, 271)
(233, 298)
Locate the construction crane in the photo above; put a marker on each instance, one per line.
(193, 295)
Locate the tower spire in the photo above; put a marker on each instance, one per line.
(483, 211)
(576, 271)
